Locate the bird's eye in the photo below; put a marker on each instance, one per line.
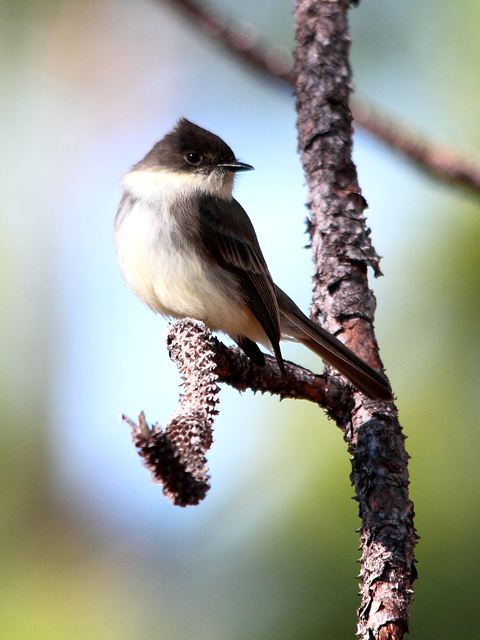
(193, 157)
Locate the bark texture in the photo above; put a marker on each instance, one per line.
(344, 303)
(176, 455)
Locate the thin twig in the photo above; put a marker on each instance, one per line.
(437, 160)
(298, 383)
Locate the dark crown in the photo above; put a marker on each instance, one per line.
(188, 147)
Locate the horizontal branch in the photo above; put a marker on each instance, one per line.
(236, 369)
(434, 159)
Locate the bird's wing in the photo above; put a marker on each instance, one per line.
(230, 241)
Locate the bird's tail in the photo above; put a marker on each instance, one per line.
(296, 325)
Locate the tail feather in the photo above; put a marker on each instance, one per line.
(296, 325)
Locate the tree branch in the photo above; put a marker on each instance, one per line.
(244, 43)
(342, 251)
(433, 158)
(175, 456)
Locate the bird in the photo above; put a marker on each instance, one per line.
(188, 249)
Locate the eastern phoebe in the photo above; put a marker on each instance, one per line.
(188, 249)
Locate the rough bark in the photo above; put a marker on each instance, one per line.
(176, 455)
(343, 301)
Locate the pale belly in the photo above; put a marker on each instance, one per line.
(174, 280)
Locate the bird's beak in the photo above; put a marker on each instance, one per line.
(235, 166)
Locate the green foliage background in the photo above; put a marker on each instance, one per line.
(276, 557)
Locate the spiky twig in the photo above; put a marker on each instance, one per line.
(176, 456)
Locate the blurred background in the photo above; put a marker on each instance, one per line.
(90, 548)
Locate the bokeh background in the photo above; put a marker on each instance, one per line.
(89, 546)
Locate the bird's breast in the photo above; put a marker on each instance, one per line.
(165, 266)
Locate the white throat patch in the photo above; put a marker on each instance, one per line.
(158, 184)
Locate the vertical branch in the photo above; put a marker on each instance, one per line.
(342, 299)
